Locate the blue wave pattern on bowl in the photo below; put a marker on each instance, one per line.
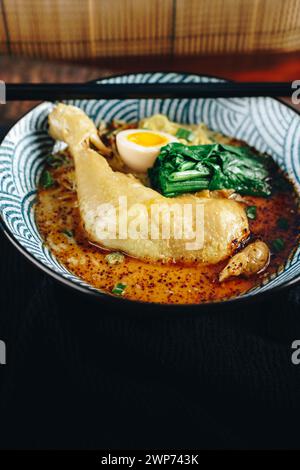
(264, 123)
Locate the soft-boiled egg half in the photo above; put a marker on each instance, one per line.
(139, 148)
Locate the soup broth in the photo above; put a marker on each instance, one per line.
(59, 222)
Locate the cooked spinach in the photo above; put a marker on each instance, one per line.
(182, 168)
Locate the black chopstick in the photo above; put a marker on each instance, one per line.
(60, 91)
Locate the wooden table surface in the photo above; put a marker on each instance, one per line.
(272, 67)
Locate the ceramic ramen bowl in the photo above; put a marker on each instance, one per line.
(264, 123)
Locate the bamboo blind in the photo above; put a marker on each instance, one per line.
(86, 29)
(3, 47)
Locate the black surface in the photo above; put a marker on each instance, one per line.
(80, 375)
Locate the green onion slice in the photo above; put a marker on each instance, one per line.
(68, 233)
(278, 244)
(114, 258)
(251, 212)
(119, 289)
(282, 223)
(185, 134)
(47, 180)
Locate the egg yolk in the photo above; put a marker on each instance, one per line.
(147, 139)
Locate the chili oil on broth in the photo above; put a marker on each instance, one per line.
(58, 219)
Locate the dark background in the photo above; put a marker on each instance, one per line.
(83, 374)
